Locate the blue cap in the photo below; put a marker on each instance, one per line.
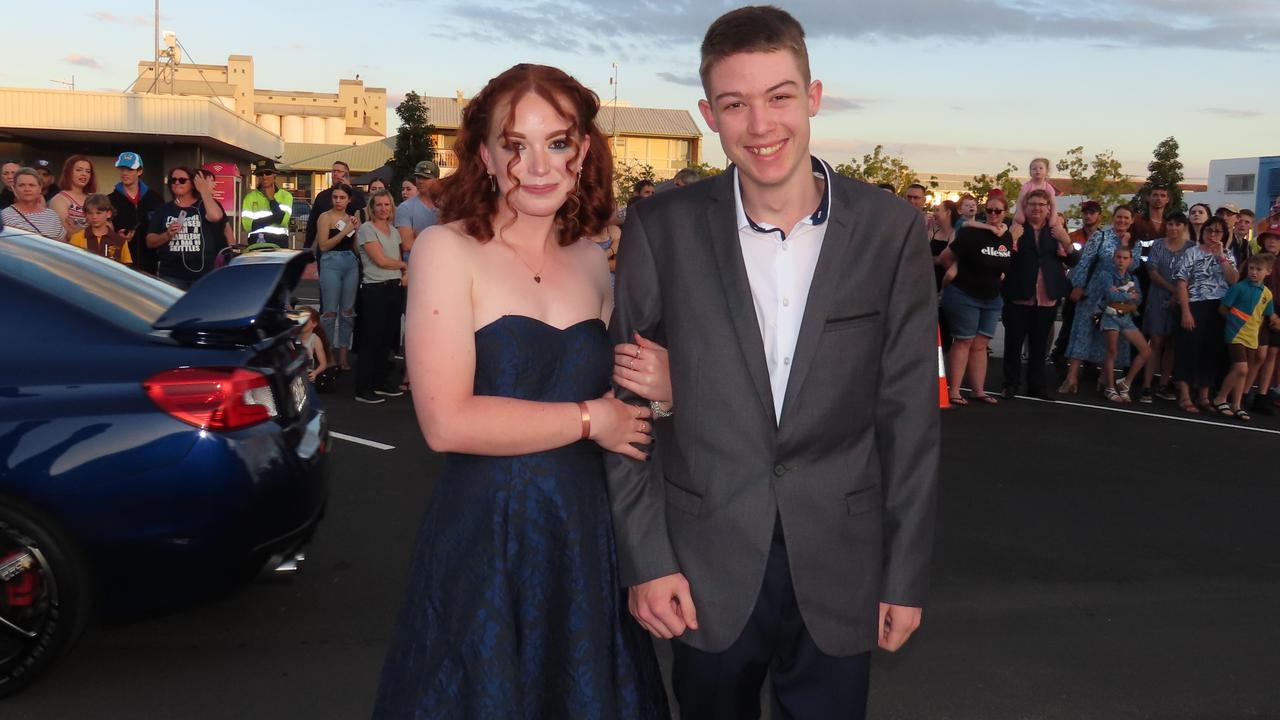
(131, 160)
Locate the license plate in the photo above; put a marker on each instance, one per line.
(299, 388)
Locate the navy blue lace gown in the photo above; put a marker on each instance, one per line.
(513, 608)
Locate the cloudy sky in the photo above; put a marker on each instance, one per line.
(953, 85)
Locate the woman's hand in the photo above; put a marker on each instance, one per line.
(1077, 294)
(643, 367)
(617, 426)
(1188, 322)
(203, 184)
(312, 374)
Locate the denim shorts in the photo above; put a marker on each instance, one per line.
(969, 316)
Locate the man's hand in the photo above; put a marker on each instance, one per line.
(663, 606)
(1077, 294)
(897, 622)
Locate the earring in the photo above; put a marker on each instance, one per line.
(493, 184)
(577, 183)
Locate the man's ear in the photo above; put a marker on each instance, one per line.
(708, 115)
(815, 97)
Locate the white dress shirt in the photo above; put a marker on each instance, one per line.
(780, 269)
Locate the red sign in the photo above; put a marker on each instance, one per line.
(225, 175)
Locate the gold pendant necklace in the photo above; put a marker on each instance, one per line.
(537, 274)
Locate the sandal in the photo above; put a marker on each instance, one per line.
(1224, 409)
(1111, 394)
(1187, 406)
(1068, 388)
(985, 398)
(1243, 414)
(957, 400)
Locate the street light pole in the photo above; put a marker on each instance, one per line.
(155, 48)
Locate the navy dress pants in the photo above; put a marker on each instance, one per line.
(806, 683)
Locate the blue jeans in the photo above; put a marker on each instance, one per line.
(339, 279)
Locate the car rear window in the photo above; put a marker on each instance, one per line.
(103, 287)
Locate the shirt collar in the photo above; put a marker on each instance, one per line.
(819, 216)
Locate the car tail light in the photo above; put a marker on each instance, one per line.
(213, 398)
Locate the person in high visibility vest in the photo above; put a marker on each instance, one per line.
(266, 209)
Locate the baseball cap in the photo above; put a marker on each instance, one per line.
(426, 168)
(1233, 208)
(264, 166)
(130, 160)
(1090, 206)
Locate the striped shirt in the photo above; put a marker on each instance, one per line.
(43, 222)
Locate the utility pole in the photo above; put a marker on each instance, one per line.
(64, 83)
(155, 48)
(613, 129)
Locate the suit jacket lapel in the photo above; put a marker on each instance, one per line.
(841, 224)
(723, 221)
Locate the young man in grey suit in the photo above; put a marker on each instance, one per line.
(785, 524)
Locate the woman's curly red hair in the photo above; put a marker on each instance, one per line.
(466, 195)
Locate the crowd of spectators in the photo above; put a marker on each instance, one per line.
(1163, 305)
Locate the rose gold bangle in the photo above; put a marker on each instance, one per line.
(586, 419)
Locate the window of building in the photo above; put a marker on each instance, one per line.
(1240, 183)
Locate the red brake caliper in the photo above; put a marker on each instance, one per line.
(20, 586)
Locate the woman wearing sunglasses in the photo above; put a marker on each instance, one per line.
(976, 262)
(189, 230)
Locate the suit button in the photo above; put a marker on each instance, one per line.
(779, 470)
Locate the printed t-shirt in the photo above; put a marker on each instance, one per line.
(982, 259)
(191, 254)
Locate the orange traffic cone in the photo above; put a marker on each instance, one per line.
(944, 397)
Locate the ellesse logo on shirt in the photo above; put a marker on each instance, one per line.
(1000, 252)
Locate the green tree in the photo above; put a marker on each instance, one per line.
(878, 167)
(1101, 178)
(705, 170)
(627, 175)
(413, 140)
(982, 185)
(1166, 171)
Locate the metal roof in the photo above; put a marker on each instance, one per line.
(446, 114)
(320, 157)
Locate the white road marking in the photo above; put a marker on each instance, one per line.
(308, 300)
(1126, 411)
(361, 441)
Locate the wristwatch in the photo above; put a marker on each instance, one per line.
(658, 412)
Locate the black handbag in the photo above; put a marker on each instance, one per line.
(327, 381)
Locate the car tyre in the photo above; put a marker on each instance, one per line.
(63, 595)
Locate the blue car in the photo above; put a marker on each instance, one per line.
(156, 447)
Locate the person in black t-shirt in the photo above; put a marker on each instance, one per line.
(189, 231)
(977, 260)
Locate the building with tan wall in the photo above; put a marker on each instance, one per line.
(355, 115)
(668, 140)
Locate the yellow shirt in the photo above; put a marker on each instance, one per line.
(103, 246)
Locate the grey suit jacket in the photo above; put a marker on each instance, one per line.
(851, 466)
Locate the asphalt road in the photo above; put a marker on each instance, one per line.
(1090, 564)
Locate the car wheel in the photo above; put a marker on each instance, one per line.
(45, 594)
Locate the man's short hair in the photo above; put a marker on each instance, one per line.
(686, 176)
(1247, 211)
(918, 186)
(753, 29)
(640, 185)
(342, 163)
(1042, 194)
(887, 186)
(1158, 186)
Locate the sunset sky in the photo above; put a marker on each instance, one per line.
(953, 85)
